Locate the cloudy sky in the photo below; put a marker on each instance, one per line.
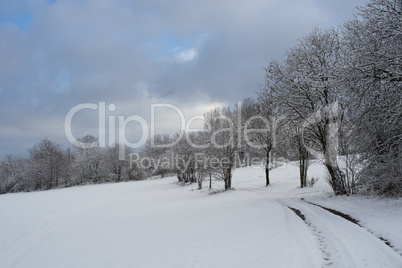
(194, 54)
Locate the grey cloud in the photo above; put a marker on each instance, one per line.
(123, 52)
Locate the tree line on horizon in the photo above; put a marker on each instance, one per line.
(343, 84)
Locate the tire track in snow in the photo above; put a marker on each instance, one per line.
(326, 255)
(349, 244)
(322, 244)
(342, 243)
(353, 220)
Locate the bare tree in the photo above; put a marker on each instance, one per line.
(184, 159)
(297, 144)
(224, 145)
(157, 152)
(373, 71)
(12, 175)
(116, 163)
(305, 86)
(90, 161)
(261, 134)
(46, 164)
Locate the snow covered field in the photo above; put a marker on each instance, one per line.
(157, 223)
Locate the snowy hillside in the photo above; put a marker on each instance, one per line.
(157, 223)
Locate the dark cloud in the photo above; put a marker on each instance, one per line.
(134, 53)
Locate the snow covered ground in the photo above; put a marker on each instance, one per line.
(157, 223)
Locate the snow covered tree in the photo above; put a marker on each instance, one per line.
(249, 109)
(90, 162)
(295, 142)
(224, 145)
(372, 45)
(157, 151)
(306, 86)
(261, 131)
(184, 159)
(46, 164)
(12, 175)
(118, 169)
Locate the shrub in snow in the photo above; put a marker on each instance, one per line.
(312, 181)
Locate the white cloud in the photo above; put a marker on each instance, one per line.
(187, 55)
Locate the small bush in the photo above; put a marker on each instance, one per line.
(311, 182)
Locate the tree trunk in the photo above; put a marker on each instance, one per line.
(199, 182)
(193, 177)
(331, 152)
(337, 179)
(229, 178)
(303, 166)
(267, 170)
(119, 173)
(301, 171)
(210, 181)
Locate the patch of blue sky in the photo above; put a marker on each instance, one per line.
(63, 81)
(22, 20)
(171, 46)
